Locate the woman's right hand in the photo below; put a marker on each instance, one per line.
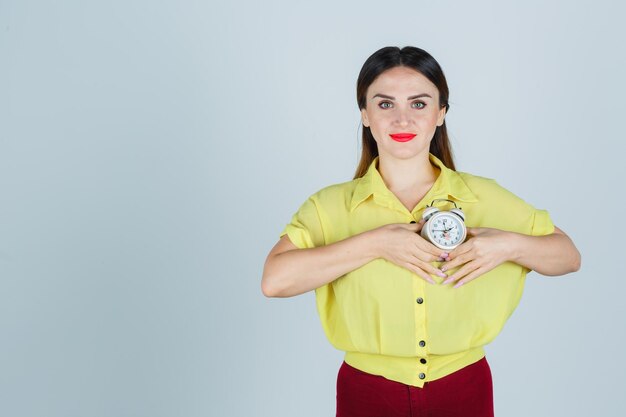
(402, 244)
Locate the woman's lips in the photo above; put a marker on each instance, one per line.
(402, 137)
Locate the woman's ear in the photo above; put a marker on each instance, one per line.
(442, 116)
(364, 120)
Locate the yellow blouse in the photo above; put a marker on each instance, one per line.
(387, 319)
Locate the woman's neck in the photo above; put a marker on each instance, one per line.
(407, 175)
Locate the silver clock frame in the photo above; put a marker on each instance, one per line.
(432, 213)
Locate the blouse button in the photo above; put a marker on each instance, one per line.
(422, 360)
(413, 221)
(422, 343)
(422, 376)
(420, 300)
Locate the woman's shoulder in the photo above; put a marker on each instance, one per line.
(478, 182)
(489, 188)
(335, 193)
(481, 183)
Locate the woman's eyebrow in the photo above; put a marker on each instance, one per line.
(408, 98)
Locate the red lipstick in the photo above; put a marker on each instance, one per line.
(402, 137)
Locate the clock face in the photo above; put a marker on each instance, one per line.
(446, 229)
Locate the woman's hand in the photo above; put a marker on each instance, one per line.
(485, 249)
(401, 244)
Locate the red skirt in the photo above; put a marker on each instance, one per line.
(467, 392)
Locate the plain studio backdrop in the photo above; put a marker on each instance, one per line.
(151, 152)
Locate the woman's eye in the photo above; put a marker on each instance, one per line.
(416, 105)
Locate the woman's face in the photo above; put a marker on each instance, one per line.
(402, 100)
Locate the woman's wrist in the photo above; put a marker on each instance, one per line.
(514, 246)
(371, 241)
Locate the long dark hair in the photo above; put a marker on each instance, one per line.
(422, 62)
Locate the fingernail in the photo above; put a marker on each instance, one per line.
(444, 268)
(459, 284)
(444, 255)
(441, 274)
(447, 281)
(440, 259)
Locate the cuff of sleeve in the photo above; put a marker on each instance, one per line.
(298, 237)
(542, 224)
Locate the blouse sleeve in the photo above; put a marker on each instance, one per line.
(542, 223)
(516, 214)
(305, 228)
(521, 216)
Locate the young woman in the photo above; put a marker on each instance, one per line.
(412, 318)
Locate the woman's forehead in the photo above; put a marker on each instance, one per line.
(402, 81)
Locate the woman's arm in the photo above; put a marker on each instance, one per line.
(291, 271)
(550, 255)
(553, 254)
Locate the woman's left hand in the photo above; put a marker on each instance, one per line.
(484, 249)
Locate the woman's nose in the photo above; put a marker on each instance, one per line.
(402, 117)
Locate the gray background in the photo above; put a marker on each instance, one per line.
(151, 152)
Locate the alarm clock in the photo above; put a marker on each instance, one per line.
(444, 229)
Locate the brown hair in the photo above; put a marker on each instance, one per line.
(422, 62)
